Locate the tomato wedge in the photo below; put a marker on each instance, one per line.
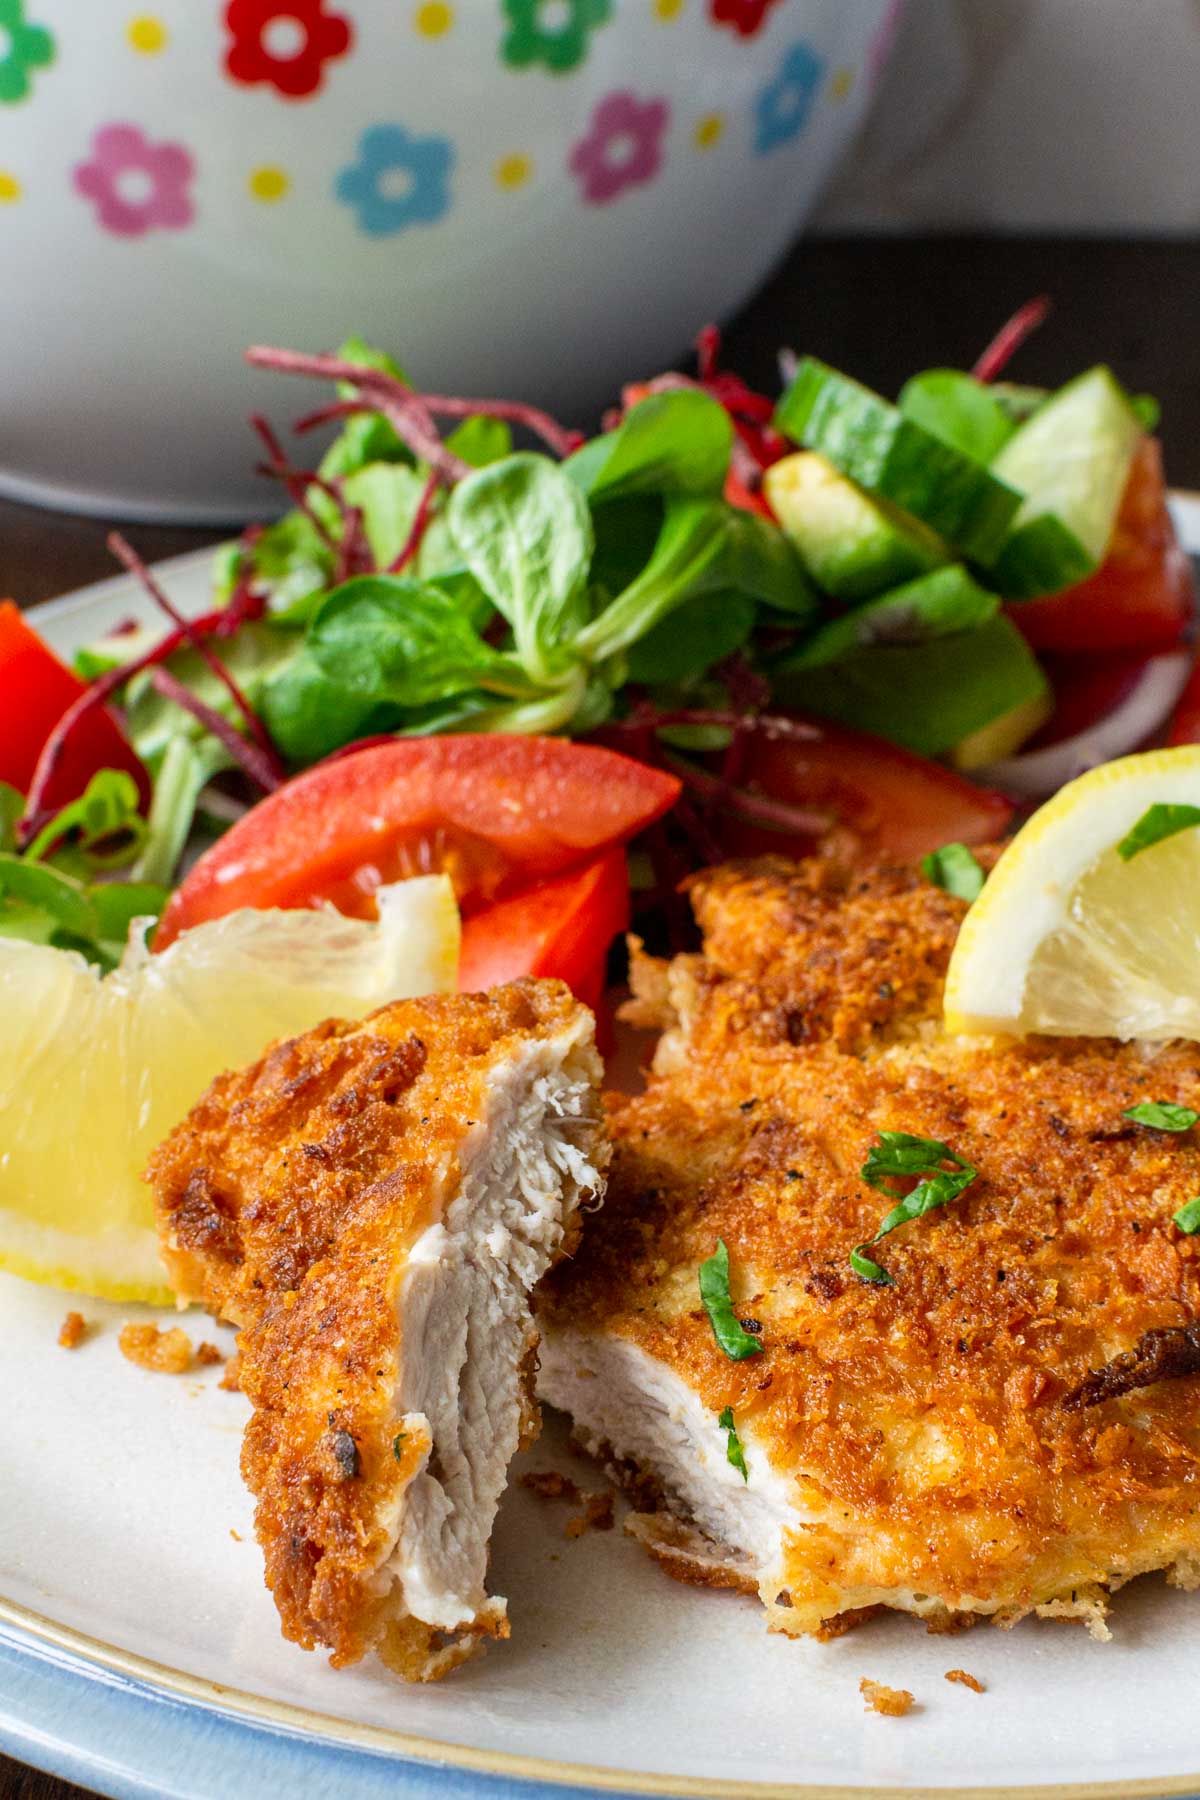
(1141, 598)
(738, 494)
(887, 799)
(561, 927)
(497, 813)
(38, 689)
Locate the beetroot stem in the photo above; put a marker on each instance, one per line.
(758, 808)
(125, 553)
(771, 725)
(297, 481)
(560, 438)
(248, 757)
(404, 409)
(1010, 337)
(416, 532)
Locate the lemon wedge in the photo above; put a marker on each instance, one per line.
(95, 1070)
(1069, 938)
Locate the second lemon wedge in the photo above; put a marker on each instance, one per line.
(95, 1070)
(1069, 937)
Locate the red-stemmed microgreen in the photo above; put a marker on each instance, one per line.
(196, 639)
(376, 391)
(416, 530)
(248, 756)
(1010, 337)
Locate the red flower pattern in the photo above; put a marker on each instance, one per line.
(284, 42)
(744, 16)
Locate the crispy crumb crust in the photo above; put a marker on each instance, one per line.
(72, 1331)
(935, 1465)
(162, 1352)
(287, 1203)
(892, 1702)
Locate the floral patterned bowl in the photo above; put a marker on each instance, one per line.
(539, 197)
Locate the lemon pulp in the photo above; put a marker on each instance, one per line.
(1069, 938)
(95, 1071)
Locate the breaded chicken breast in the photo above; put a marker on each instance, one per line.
(1011, 1424)
(372, 1204)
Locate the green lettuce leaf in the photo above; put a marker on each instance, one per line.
(677, 442)
(960, 410)
(524, 531)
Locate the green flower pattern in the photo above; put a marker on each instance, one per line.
(22, 47)
(561, 45)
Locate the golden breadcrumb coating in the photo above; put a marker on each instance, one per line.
(893, 1703)
(162, 1352)
(288, 1201)
(72, 1331)
(945, 1450)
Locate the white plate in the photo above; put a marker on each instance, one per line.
(140, 1652)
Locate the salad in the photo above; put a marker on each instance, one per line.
(823, 619)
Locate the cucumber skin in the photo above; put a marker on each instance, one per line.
(1042, 557)
(883, 550)
(924, 697)
(946, 600)
(1048, 548)
(872, 443)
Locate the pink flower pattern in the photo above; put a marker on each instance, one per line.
(622, 148)
(134, 185)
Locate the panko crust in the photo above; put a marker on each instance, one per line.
(287, 1202)
(923, 1423)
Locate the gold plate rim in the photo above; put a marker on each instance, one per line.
(258, 1709)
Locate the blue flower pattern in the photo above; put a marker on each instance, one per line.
(398, 180)
(782, 107)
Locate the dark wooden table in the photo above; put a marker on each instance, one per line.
(880, 309)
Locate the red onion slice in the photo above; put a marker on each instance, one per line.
(1042, 772)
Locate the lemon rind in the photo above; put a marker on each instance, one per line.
(985, 984)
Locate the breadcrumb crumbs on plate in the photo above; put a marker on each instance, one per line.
(72, 1331)
(976, 1686)
(230, 1380)
(548, 1484)
(597, 1515)
(893, 1702)
(207, 1355)
(235, 1535)
(163, 1352)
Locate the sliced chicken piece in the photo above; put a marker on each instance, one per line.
(1010, 1424)
(373, 1205)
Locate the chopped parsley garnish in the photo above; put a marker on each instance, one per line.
(718, 1304)
(1156, 823)
(898, 1156)
(396, 1443)
(868, 1268)
(1162, 1115)
(1188, 1217)
(733, 1445)
(954, 868)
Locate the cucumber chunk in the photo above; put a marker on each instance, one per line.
(1071, 460)
(853, 546)
(926, 697)
(1004, 736)
(896, 459)
(944, 601)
